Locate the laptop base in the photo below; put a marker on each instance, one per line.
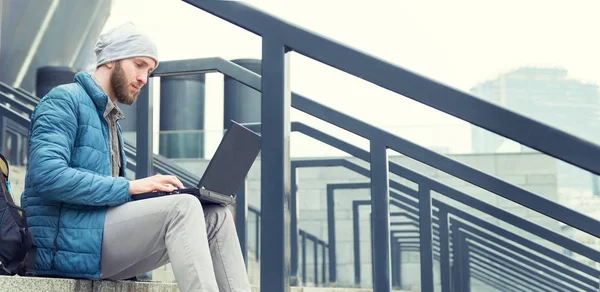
(205, 196)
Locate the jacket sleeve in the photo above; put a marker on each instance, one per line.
(52, 137)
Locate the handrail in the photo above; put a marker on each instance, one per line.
(526, 131)
(186, 178)
(279, 36)
(524, 257)
(487, 276)
(14, 115)
(17, 104)
(438, 161)
(508, 236)
(530, 227)
(257, 212)
(546, 266)
(161, 161)
(455, 195)
(306, 236)
(482, 275)
(457, 169)
(28, 97)
(412, 207)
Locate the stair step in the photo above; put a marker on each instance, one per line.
(31, 284)
(34, 284)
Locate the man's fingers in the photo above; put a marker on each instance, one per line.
(171, 179)
(163, 187)
(163, 180)
(177, 183)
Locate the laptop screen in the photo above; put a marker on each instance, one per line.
(231, 162)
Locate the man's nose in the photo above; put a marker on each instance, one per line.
(142, 79)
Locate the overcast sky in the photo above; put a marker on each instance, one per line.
(458, 43)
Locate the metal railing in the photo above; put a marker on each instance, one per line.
(278, 39)
(362, 154)
(305, 237)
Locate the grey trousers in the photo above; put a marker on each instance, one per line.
(200, 242)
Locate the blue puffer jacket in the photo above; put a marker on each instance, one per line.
(68, 185)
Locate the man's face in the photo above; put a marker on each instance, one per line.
(129, 76)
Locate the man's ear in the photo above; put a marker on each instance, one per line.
(110, 65)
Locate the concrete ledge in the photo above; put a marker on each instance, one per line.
(127, 286)
(43, 284)
(31, 284)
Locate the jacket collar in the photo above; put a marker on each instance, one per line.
(93, 90)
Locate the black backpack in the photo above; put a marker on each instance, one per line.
(18, 253)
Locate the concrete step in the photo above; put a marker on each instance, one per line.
(32, 284)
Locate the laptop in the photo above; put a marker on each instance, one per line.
(226, 171)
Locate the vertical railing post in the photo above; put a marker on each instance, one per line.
(372, 249)
(241, 220)
(303, 238)
(294, 227)
(399, 271)
(426, 238)
(356, 228)
(324, 264)
(144, 141)
(331, 235)
(455, 267)
(465, 278)
(275, 168)
(444, 249)
(394, 257)
(316, 259)
(257, 251)
(380, 210)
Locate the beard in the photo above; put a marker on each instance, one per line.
(120, 86)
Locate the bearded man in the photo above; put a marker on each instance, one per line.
(79, 203)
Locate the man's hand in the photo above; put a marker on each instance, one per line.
(164, 183)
